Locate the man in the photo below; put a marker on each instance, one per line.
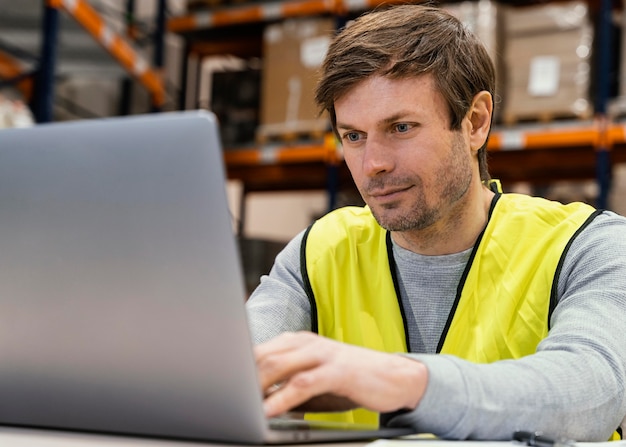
(509, 309)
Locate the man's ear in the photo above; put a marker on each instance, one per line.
(480, 119)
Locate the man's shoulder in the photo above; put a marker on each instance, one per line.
(603, 238)
(345, 221)
(607, 224)
(344, 229)
(515, 201)
(347, 213)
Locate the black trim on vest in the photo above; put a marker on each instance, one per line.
(620, 433)
(459, 288)
(493, 186)
(396, 286)
(307, 282)
(559, 267)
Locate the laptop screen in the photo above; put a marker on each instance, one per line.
(121, 292)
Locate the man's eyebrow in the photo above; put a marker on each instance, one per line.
(385, 121)
(344, 126)
(395, 117)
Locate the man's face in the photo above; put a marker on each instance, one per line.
(410, 168)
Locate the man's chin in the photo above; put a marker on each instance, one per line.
(394, 221)
(387, 220)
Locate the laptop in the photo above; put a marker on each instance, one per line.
(121, 290)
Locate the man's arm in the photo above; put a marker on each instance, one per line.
(280, 304)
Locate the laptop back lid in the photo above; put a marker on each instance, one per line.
(121, 292)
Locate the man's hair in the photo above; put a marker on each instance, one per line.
(408, 41)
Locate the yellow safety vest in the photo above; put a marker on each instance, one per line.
(508, 293)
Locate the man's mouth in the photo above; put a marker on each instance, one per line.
(387, 193)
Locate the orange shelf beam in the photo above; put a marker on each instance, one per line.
(325, 152)
(238, 15)
(584, 134)
(10, 68)
(116, 45)
(587, 135)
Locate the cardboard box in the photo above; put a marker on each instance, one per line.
(622, 56)
(616, 107)
(547, 61)
(484, 19)
(293, 51)
(547, 18)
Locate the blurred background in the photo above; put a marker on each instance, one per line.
(560, 123)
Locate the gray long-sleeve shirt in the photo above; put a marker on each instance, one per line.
(574, 385)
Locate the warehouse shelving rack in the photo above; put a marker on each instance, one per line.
(534, 153)
(12, 72)
(537, 154)
(258, 12)
(118, 47)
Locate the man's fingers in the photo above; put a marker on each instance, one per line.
(305, 365)
(283, 357)
(283, 342)
(327, 403)
(300, 388)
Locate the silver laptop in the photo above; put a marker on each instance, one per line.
(121, 290)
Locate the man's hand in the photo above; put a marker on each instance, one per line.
(305, 371)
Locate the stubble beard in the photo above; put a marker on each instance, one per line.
(455, 174)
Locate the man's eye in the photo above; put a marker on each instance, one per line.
(352, 136)
(403, 127)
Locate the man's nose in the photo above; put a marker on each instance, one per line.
(377, 157)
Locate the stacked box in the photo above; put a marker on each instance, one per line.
(484, 18)
(293, 51)
(547, 58)
(622, 56)
(617, 106)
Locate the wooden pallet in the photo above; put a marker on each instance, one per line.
(292, 132)
(203, 5)
(617, 107)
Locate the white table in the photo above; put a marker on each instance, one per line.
(18, 437)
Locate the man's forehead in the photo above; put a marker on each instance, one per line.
(386, 99)
(425, 80)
